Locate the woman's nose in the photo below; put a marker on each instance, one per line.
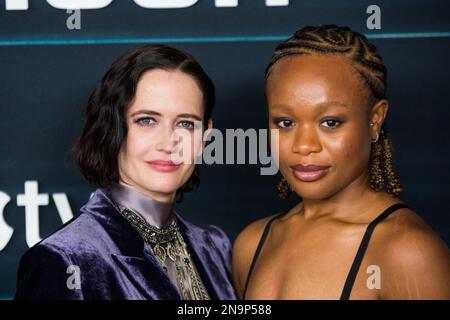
(306, 140)
(166, 140)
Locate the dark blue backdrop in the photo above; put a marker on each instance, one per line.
(47, 73)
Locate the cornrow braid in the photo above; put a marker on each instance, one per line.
(335, 40)
(382, 173)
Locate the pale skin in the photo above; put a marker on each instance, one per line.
(164, 102)
(326, 117)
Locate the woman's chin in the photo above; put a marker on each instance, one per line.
(164, 189)
(312, 193)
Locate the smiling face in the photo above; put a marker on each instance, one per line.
(320, 105)
(164, 102)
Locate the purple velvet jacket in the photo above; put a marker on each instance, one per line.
(113, 261)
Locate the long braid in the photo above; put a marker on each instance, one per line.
(335, 40)
(392, 181)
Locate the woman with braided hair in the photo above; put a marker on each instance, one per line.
(350, 237)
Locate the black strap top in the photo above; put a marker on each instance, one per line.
(345, 295)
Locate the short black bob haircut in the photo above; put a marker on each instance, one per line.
(105, 127)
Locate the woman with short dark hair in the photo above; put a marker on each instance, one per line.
(128, 242)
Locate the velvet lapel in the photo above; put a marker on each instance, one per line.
(208, 262)
(148, 277)
(133, 256)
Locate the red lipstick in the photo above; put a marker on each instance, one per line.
(163, 165)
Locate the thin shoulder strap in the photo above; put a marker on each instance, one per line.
(363, 247)
(258, 250)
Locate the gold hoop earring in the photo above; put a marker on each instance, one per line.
(376, 139)
(284, 189)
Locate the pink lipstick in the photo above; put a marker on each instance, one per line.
(310, 172)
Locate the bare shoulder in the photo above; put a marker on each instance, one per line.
(251, 234)
(415, 258)
(408, 234)
(244, 248)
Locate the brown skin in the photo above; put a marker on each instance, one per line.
(327, 117)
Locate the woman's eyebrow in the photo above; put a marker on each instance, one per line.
(154, 113)
(319, 105)
(144, 111)
(331, 104)
(189, 115)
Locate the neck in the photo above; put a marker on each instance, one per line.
(158, 196)
(155, 212)
(357, 197)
